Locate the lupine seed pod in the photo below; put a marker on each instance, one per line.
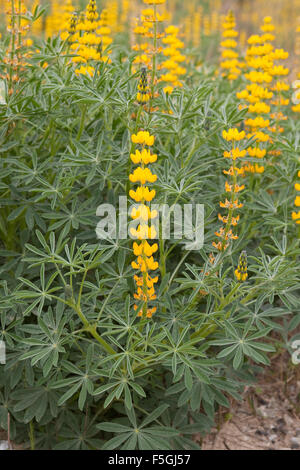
(73, 24)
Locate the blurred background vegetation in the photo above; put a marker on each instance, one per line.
(201, 20)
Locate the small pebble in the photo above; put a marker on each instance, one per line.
(4, 445)
(261, 411)
(288, 420)
(262, 401)
(261, 432)
(295, 443)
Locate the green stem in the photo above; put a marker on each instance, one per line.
(31, 435)
(107, 299)
(133, 148)
(81, 288)
(88, 326)
(162, 263)
(92, 329)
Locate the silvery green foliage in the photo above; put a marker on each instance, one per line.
(82, 372)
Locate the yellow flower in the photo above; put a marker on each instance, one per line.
(233, 134)
(234, 171)
(149, 314)
(235, 153)
(168, 89)
(228, 205)
(296, 217)
(149, 280)
(142, 176)
(145, 264)
(258, 77)
(85, 71)
(279, 54)
(144, 251)
(280, 86)
(145, 248)
(145, 296)
(257, 152)
(254, 39)
(229, 188)
(279, 70)
(254, 168)
(144, 156)
(230, 34)
(144, 232)
(154, 2)
(172, 29)
(230, 43)
(142, 194)
(229, 54)
(259, 108)
(259, 136)
(143, 212)
(257, 122)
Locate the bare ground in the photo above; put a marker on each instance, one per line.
(268, 418)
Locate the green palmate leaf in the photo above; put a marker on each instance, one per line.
(155, 415)
(138, 389)
(131, 443)
(113, 427)
(115, 442)
(128, 398)
(68, 394)
(160, 431)
(82, 396)
(104, 388)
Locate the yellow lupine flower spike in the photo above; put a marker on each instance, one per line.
(296, 215)
(143, 250)
(232, 188)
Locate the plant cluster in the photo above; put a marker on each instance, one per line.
(135, 344)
